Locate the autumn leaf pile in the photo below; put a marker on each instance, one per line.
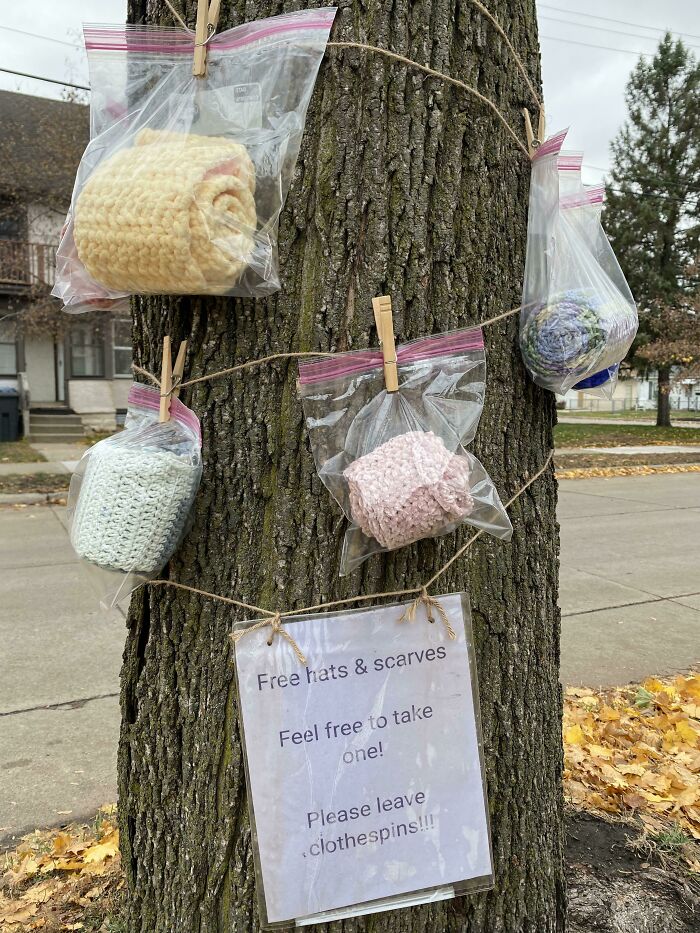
(642, 470)
(636, 751)
(58, 880)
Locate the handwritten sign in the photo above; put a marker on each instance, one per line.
(364, 766)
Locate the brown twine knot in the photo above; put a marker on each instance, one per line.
(430, 603)
(276, 628)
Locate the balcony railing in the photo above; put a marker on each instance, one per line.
(26, 265)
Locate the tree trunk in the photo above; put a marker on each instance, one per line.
(663, 402)
(406, 186)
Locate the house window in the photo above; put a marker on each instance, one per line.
(121, 347)
(8, 351)
(11, 221)
(87, 350)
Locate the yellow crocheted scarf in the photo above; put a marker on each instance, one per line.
(173, 214)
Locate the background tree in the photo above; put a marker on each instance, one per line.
(678, 342)
(405, 186)
(652, 211)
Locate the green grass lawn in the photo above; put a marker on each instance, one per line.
(619, 435)
(19, 452)
(629, 415)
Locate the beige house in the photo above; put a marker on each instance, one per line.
(76, 368)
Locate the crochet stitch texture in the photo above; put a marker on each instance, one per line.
(173, 214)
(408, 488)
(132, 507)
(576, 334)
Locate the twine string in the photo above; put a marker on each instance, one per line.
(177, 15)
(223, 599)
(430, 602)
(276, 628)
(249, 364)
(274, 619)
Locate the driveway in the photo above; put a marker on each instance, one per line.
(630, 599)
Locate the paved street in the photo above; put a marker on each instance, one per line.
(59, 716)
(630, 598)
(630, 577)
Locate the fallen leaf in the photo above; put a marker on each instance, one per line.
(686, 732)
(107, 848)
(61, 842)
(574, 735)
(17, 914)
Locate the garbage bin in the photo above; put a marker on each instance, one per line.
(9, 413)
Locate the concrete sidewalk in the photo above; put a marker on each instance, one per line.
(31, 469)
(60, 452)
(629, 580)
(630, 599)
(60, 459)
(679, 422)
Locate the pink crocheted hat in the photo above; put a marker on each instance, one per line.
(408, 488)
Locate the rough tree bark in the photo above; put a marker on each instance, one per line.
(409, 187)
(663, 402)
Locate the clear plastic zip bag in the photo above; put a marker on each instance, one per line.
(583, 209)
(131, 495)
(181, 186)
(578, 316)
(569, 164)
(395, 461)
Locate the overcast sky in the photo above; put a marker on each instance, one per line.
(588, 50)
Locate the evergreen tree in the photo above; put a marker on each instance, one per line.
(653, 201)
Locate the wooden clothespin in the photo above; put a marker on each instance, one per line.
(166, 381)
(385, 330)
(207, 21)
(534, 142)
(179, 368)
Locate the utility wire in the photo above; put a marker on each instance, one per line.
(647, 179)
(35, 35)
(23, 74)
(590, 45)
(619, 22)
(618, 32)
(643, 181)
(649, 194)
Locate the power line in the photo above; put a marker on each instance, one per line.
(619, 22)
(35, 35)
(23, 74)
(649, 179)
(649, 194)
(590, 45)
(618, 32)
